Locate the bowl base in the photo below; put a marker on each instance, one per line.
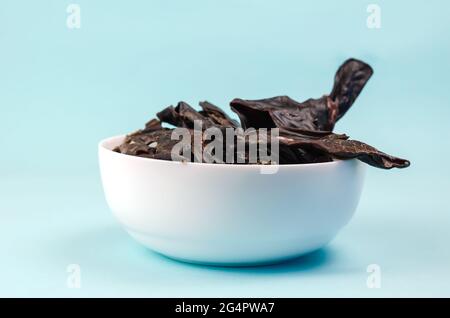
(156, 245)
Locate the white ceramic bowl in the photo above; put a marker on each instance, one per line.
(229, 214)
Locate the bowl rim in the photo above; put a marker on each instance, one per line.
(102, 146)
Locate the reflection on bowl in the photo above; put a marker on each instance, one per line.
(222, 214)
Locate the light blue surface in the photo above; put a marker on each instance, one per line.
(130, 59)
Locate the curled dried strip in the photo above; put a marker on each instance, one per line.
(349, 81)
(343, 148)
(312, 114)
(256, 113)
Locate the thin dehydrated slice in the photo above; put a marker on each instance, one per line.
(256, 113)
(343, 148)
(156, 144)
(133, 147)
(283, 111)
(312, 114)
(183, 115)
(349, 81)
(152, 125)
(217, 115)
(306, 133)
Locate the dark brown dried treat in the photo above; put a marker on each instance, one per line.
(164, 145)
(340, 147)
(283, 111)
(313, 134)
(155, 144)
(312, 114)
(152, 125)
(349, 81)
(256, 113)
(217, 115)
(181, 116)
(184, 116)
(296, 146)
(305, 128)
(134, 148)
(296, 155)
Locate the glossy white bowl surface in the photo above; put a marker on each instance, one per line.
(229, 214)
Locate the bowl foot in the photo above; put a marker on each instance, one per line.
(183, 254)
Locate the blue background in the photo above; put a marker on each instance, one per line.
(62, 90)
